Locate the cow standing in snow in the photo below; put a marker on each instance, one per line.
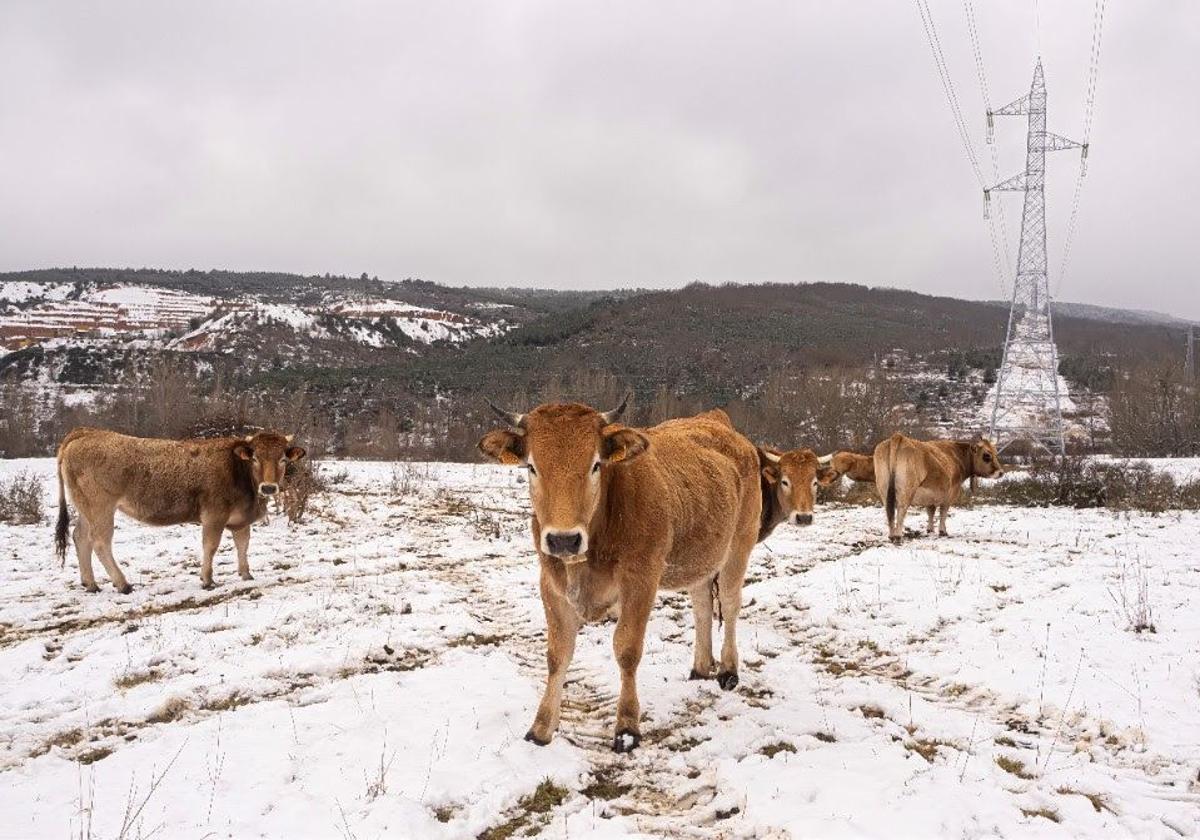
(856, 467)
(218, 483)
(929, 474)
(620, 513)
(789, 487)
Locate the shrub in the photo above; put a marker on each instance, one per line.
(21, 499)
(1079, 483)
(303, 478)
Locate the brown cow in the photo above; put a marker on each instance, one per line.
(929, 474)
(854, 466)
(216, 483)
(789, 487)
(620, 513)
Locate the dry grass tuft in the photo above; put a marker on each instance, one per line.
(772, 750)
(1045, 813)
(1098, 801)
(93, 755)
(1014, 766)
(173, 708)
(129, 679)
(545, 798)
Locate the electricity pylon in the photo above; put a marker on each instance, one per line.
(1028, 406)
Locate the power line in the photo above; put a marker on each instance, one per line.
(1088, 115)
(981, 73)
(964, 135)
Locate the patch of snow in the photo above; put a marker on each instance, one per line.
(377, 677)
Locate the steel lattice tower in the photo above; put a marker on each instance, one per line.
(1028, 406)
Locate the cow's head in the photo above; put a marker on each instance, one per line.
(793, 478)
(985, 462)
(566, 447)
(268, 454)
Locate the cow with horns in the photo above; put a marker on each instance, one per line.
(216, 483)
(789, 486)
(620, 513)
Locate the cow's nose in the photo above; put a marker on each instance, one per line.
(803, 518)
(564, 544)
(268, 489)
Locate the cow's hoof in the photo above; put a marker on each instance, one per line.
(700, 675)
(93, 588)
(943, 534)
(126, 589)
(728, 680)
(247, 576)
(207, 585)
(533, 739)
(896, 540)
(626, 740)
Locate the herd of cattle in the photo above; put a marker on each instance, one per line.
(618, 514)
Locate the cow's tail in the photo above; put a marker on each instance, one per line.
(63, 527)
(886, 472)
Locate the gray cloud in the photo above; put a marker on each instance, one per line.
(588, 145)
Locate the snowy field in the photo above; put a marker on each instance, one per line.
(377, 677)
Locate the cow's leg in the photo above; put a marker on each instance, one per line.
(729, 591)
(562, 625)
(210, 539)
(942, 532)
(100, 528)
(904, 497)
(83, 551)
(637, 598)
(241, 541)
(931, 510)
(702, 611)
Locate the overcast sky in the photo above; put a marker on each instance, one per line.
(589, 145)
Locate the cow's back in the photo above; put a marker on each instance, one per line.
(698, 484)
(161, 482)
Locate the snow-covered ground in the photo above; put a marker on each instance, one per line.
(377, 677)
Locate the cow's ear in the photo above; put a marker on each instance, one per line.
(295, 453)
(827, 476)
(243, 451)
(620, 443)
(771, 473)
(504, 446)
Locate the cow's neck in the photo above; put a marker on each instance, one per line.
(243, 479)
(772, 511)
(963, 460)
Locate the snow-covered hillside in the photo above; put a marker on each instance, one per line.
(377, 677)
(37, 313)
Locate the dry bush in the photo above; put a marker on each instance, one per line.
(1153, 412)
(1081, 483)
(302, 480)
(21, 499)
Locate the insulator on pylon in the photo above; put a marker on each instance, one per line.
(991, 127)
(1083, 161)
(987, 203)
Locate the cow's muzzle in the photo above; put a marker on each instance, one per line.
(802, 518)
(268, 489)
(560, 544)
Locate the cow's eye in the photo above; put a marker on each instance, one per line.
(987, 457)
(595, 467)
(532, 471)
(786, 483)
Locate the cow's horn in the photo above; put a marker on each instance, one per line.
(772, 457)
(249, 438)
(289, 438)
(512, 418)
(825, 460)
(615, 415)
